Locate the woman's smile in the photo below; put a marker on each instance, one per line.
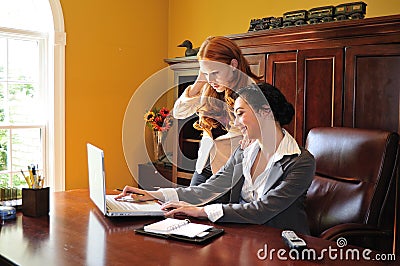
(243, 130)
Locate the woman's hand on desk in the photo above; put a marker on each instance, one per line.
(183, 208)
(135, 193)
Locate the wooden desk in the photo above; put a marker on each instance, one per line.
(76, 233)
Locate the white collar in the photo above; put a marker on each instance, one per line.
(288, 146)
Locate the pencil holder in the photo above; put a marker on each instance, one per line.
(35, 202)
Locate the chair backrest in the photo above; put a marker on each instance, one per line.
(354, 169)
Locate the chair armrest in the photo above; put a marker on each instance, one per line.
(361, 235)
(354, 230)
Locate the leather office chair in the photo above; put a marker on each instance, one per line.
(353, 191)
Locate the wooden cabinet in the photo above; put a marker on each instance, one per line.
(342, 73)
(335, 74)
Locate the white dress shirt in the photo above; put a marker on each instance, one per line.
(220, 149)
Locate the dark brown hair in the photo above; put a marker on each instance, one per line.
(263, 94)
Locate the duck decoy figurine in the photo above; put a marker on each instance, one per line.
(190, 51)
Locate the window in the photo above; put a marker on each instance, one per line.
(22, 107)
(32, 74)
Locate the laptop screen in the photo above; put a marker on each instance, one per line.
(97, 184)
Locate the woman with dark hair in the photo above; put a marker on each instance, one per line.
(266, 183)
(223, 69)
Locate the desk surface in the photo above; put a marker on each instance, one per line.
(76, 233)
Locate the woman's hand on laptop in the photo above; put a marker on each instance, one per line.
(135, 193)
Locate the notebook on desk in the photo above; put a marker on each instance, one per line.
(182, 230)
(106, 203)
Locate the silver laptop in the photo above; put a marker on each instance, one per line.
(106, 203)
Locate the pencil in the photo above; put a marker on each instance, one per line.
(26, 179)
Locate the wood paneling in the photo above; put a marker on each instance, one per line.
(312, 80)
(320, 88)
(372, 97)
(281, 72)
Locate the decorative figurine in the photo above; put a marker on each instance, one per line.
(275, 22)
(320, 14)
(190, 51)
(355, 10)
(295, 18)
(265, 23)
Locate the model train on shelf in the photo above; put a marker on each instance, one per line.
(355, 10)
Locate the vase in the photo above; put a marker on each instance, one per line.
(158, 137)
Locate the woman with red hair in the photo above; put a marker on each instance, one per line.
(223, 69)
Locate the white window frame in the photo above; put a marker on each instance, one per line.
(55, 69)
(56, 63)
(42, 40)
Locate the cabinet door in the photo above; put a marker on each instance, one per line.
(372, 98)
(372, 87)
(281, 72)
(319, 90)
(312, 81)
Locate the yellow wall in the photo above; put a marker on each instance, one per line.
(196, 20)
(113, 46)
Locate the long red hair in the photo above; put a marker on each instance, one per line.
(216, 111)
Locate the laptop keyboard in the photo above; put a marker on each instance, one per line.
(120, 205)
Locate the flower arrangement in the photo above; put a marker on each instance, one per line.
(158, 119)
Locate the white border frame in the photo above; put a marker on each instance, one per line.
(57, 39)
